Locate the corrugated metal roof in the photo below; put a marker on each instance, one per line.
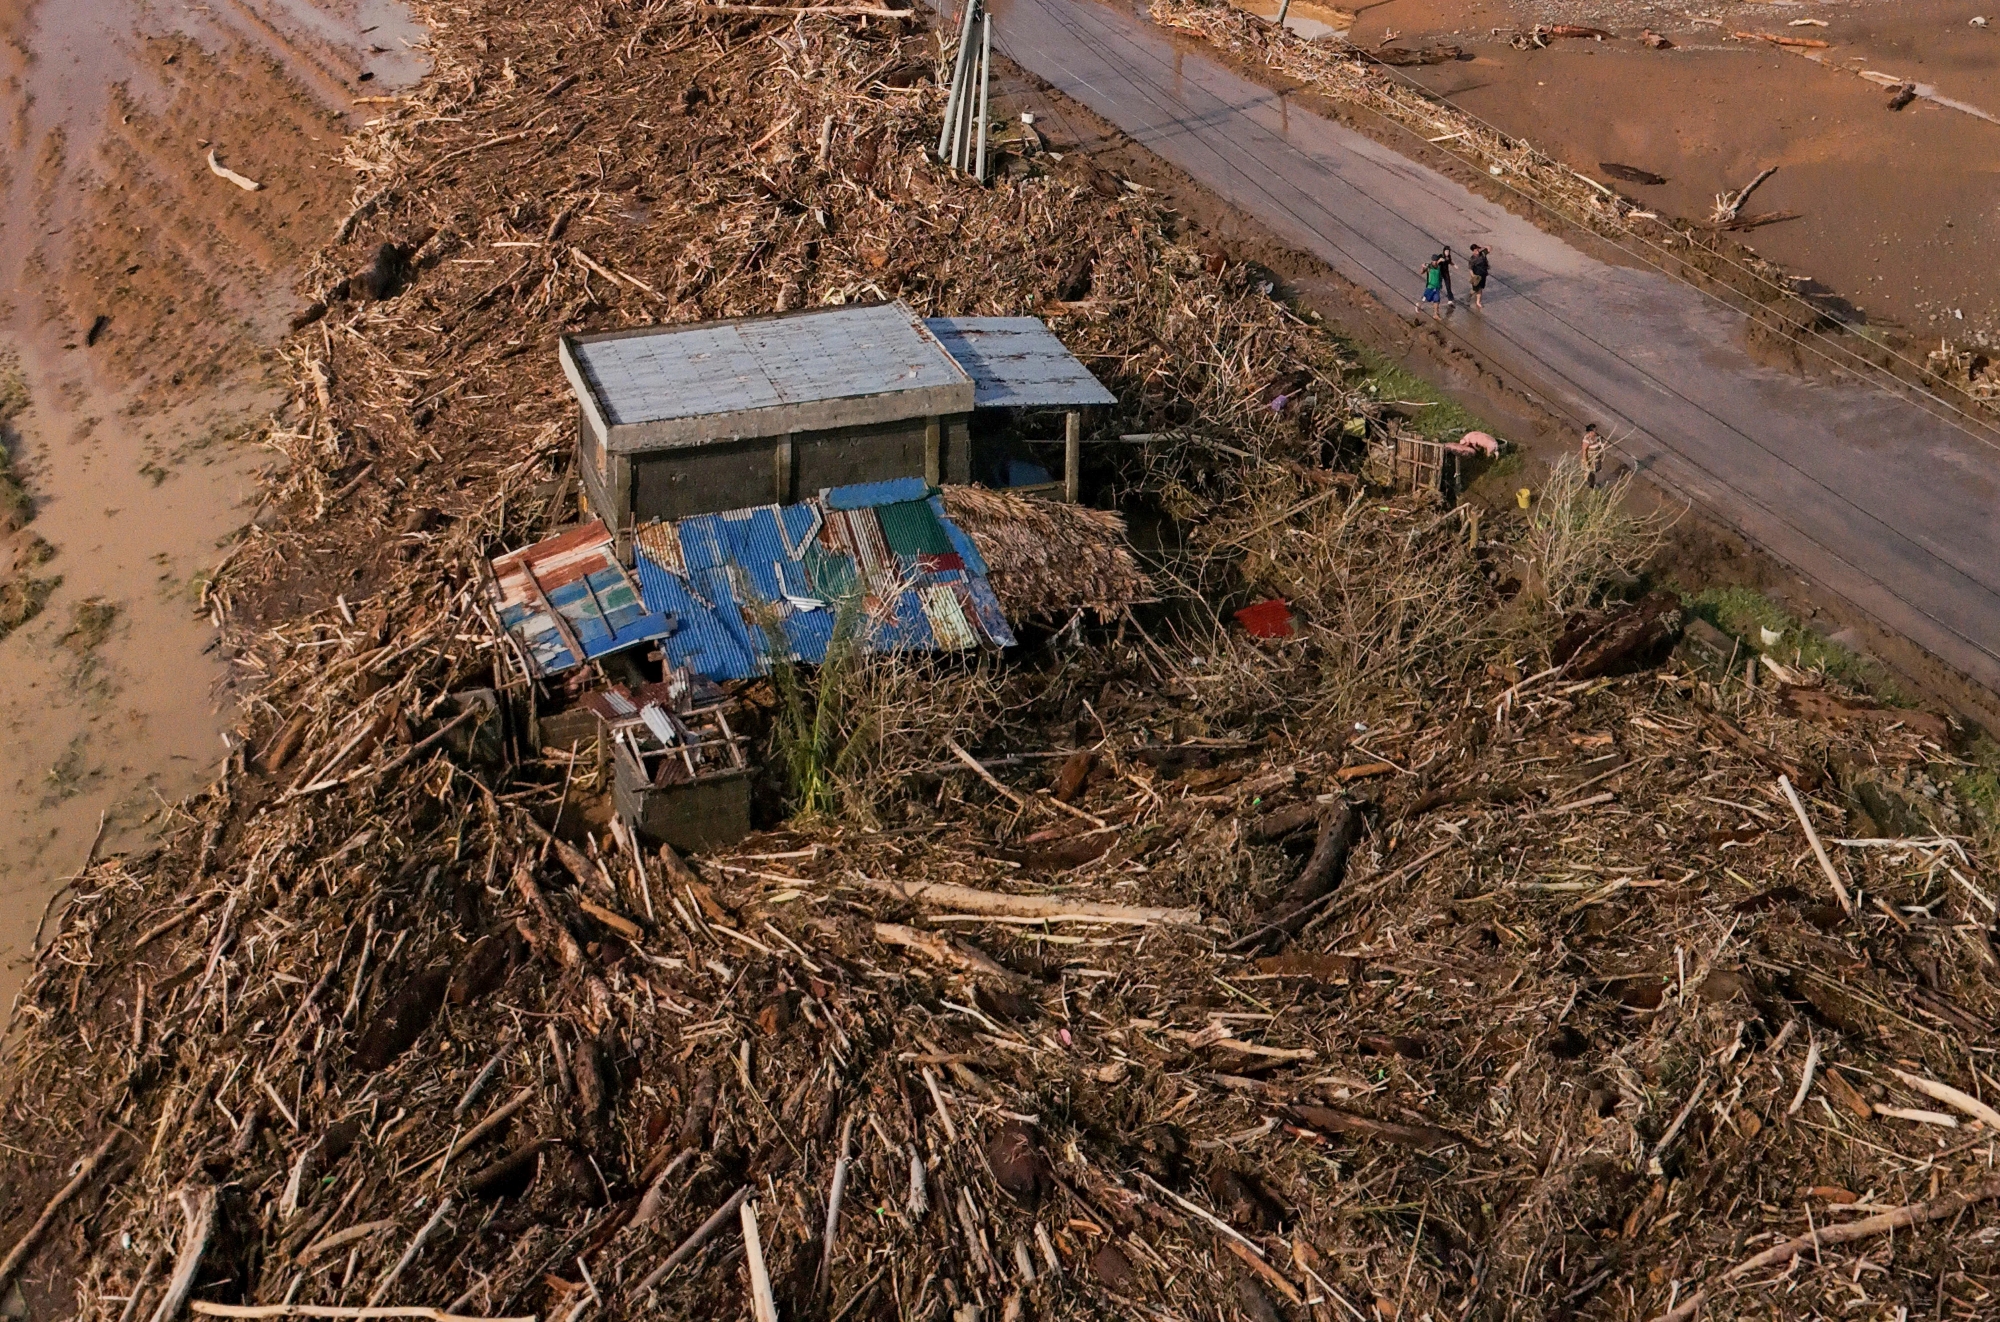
(791, 566)
(910, 528)
(711, 585)
(947, 621)
(960, 543)
(709, 637)
(728, 367)
(574, 576)
(986, 610)
(1017, 362)
(864, 495)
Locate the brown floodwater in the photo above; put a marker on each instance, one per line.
(141, 300)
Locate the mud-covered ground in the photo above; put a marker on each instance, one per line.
(144, 296)
(1895, 207)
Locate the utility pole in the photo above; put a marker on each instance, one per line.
(946, 137)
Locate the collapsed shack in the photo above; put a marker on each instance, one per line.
(1388, 969)
(879, 568)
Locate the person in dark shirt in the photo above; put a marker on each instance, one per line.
(1444, 270)
(1479, 266)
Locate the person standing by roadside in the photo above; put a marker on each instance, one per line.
(1433, 273)
(1478, 264)
(1592, 455)
(1444, 267)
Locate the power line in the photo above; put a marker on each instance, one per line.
(1141, 87)
(1789, 295)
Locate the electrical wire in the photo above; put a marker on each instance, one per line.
(1141, 87)
(1853, 360)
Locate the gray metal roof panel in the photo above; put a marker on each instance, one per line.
(1017, 362)
(688, 384)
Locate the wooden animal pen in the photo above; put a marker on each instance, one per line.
(1423, 465)
(681, 779)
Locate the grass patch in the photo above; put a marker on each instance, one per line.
(14, 399)
(90, 624)
(1978, 786)
(22, 599)
(823, 725)
(16, 507)
(1441, 418)
(1745, 613)
(67, 778)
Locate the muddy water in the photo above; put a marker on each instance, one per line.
(140, 300)
(1302, 16)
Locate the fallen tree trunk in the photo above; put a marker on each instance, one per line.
(1053, 908)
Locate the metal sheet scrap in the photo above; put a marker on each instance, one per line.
(737, 579)
(567, 599)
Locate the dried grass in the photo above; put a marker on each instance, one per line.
(1581, 537)
(1047, 560)
(1534, 1057)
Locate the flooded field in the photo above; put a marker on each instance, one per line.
(144, 292)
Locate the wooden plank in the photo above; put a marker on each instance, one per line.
(562, 625)
(1072, 455)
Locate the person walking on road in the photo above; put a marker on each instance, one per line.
(1477, 263)
(1444, 269)
(1592, 455)
(1433, 273)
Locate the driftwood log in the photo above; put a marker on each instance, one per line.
(1052, 908)
(1621, 640)
(24, 1248)
(1911, 1214)
(1339, 828)
(202, 1210)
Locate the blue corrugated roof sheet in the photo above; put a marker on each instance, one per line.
(863, 495)
(791, 566)
(959, 541)
(570, 587)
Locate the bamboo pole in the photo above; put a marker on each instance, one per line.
(985, 85)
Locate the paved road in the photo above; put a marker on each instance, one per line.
(1873, 497)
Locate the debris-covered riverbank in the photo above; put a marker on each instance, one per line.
(1453, 951)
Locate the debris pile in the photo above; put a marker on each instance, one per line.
(1046, 559)
(1972, 370)
(1387, 968)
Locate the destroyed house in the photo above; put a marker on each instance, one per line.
(684, 420)
(716, 590)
